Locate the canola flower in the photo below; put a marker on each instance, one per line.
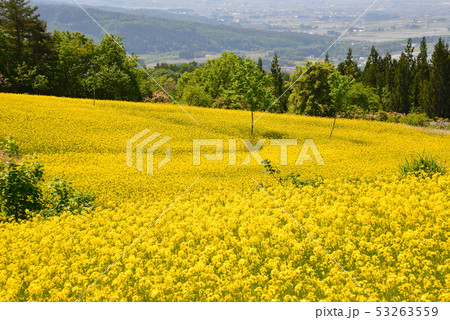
(225, 240)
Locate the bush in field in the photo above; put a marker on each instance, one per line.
(425, 165)
(291, 178)
(415, 119)
(21, 188)
(62, 196)
(394, 117)
(9, 147)
(20, 192)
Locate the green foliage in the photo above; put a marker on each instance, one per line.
(363, 97)
(339, 87)
(310, 90)
(173, 71)
(249, 87)
(372, 74)
(227, 82)
(291, 178)
(415, 119)
(349, 67)
(394, 117)
(26, 45)
(195, 95)
(4, 56)
(278, 87)
(424, 165)
(9, 146)
(215, 76)
(62, 196)
(440, 81)
(20, 192)
(115, 74)
(75, 64)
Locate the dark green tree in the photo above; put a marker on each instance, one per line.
(403, 80)
(349, 67)
(388, 67)
(260, 65)
(419, 90)
(75, 64)
(372, 75)
(28, 45)
(310, 89)
(440, 81)
(115, 75)
(18, 19)
(4, 56)
(278, 86)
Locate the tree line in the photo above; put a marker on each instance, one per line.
(69, 64)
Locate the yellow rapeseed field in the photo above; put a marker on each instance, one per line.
(226, 238)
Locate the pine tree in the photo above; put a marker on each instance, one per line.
(17, 19)
(278, 85)
(28, 44)
(349, 67)
(419, 90)
(327, 57)
(260, 65)
(440, 81)
(387, 81)
(372, 75)
(403, 80)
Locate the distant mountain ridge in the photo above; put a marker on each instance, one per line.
(147, 34)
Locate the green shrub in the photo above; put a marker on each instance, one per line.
(21, 188)
(20, 192)
(382, 115)
(415, 119)
(424, 165)
(9, 146)
(296, 181)
(195, 95)
(394, 117)
(364, 98)
(62, 196)
(291, 178)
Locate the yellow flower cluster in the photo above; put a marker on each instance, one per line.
(226, 239)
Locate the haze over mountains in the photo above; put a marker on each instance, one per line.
(180, 30)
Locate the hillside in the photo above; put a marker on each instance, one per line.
(149, 35)
(224, 238)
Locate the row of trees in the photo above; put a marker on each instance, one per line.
(69, 64)
(412, 84)
(33, 60)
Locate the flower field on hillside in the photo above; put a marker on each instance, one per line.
(226, 238)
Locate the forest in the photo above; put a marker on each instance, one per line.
(69, 64)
